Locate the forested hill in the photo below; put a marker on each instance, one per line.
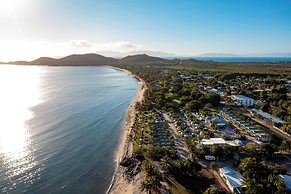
(92, 60)
(72, 60)
(143, 59)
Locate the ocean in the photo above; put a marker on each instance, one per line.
(237, 59)
(60, 127)
(245, 59)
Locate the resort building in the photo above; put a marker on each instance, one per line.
(267, 117)
(243, 100)
(233, 179)
(213, 141)
(217, 141)
(239, 123)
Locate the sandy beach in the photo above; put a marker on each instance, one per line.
(120, 184)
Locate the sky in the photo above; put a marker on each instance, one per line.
(33, 28)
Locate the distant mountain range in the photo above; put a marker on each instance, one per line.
(137, 52)
(91, 60)
(97, 59)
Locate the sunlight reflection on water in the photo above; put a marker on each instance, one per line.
(20, 90)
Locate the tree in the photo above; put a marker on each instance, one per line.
(285, 146)
(211, 190)
(214, 99)
(193, 105)
(152, 178)
(263, 95)
(213, 165)
(217, 150)
(258, 178)
(208, 106)
(267, 149)
(275, 184)
(265, 107)
(185, 167)
(157, 152)
(150, 183)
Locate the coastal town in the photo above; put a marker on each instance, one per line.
(208, 132)
(145, 97)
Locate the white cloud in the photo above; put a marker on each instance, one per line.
(81, 44)
(111, 46)
(29, 51)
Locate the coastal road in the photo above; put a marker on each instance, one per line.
(179, 141)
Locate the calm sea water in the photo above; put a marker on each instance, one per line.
(60, 127)
(245, 59)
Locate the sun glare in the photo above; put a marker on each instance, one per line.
(8, 5)
(19, 91)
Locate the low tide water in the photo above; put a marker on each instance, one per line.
(60, 127)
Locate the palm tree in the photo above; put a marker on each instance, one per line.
(151, 183)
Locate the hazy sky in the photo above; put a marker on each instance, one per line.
(33, 28)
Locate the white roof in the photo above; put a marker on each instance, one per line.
(233, 177)
(268, 116)
(213, 141)
(287, 180)
(232, 143)
(241, 97)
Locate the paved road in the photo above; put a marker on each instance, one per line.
(179, 141)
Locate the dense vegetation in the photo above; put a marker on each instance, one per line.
(168, 91)
(181, 88)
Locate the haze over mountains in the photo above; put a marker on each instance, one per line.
(91, 59)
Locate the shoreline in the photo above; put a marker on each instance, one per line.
(119, 183)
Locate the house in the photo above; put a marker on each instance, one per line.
(243, 100)
(245, 125)
(233, 179)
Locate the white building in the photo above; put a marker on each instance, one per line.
(217, 141)
(268, 117)
(243, 100)
(232, 178)
(213, 141)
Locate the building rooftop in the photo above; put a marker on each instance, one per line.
(212, 141)
(233, 177)
(268, 116)
(241, 97)
(287, 180)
